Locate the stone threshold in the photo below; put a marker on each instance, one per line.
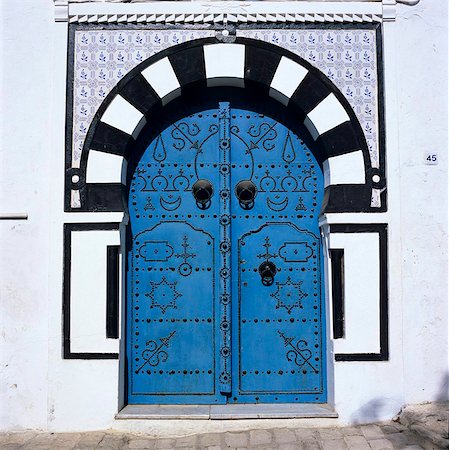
(223, 412)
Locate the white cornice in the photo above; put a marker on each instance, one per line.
(222, 12)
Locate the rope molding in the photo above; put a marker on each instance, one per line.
(223, 18)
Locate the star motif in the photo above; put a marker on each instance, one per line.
(163, 295)
(289, 295)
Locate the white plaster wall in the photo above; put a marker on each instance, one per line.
(82, 394)
(38, 389)
(41, 390)
(372, 391)
(26, 64)
(415, 53)
(422, 74)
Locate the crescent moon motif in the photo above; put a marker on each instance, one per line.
(277, 206)
(170, 205)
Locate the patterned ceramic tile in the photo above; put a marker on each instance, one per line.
(347, 58)
(102, 58)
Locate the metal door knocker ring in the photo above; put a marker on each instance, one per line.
(202, 190)
(267, 271)
(246, 192)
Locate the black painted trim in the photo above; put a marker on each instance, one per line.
(260, 66)
(382, 230)
(66, 349)
(112, 291)
(310, 93)
(190, 67)
(69, 120)
(346, 198)
(338, 295)
(341, 140)
(220, 26)
(140, 93)
(110, 140)
(102, 197)
(382, 171)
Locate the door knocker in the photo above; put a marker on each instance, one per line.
(267, 271)
(202, 190)
(246, 192)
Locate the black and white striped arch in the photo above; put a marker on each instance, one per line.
(201, 64)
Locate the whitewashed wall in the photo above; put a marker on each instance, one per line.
(41, 390)
(422, 103)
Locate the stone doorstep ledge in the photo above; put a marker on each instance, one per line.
(223, 412)
(429, 421)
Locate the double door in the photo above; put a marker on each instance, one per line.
(224, 295)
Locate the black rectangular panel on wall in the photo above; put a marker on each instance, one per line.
(338, 313)
(111, 313)
(337, 266)
(112, 292)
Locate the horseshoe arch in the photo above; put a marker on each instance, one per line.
(305, 93)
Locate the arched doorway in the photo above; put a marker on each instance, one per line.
(225, 302)
(281, 87)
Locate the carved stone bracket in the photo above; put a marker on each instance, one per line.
(389, 10)
(61, 10)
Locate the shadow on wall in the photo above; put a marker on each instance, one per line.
(443, 393)
(377, 410)
(380, 409)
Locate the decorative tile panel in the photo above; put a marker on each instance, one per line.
(102, 58)
(347, 58)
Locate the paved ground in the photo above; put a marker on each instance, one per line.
(366, 437)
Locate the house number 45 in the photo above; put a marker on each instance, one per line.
(431, 158)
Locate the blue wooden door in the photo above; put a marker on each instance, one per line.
(224, 265)
(278, 351)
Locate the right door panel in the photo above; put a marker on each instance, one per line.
(278, 315)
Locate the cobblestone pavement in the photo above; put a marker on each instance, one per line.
(365, 437)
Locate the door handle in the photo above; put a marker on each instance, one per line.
(267, 271)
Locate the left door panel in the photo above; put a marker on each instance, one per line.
(172, 268)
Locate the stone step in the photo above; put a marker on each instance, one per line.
(430, 421)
